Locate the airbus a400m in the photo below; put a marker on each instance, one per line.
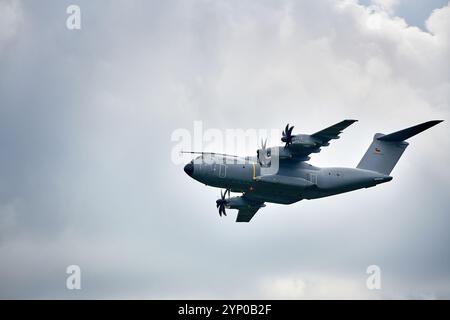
(282, 175)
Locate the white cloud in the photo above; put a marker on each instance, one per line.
(285, 288)
(316, 286)
(439, 24)
(90, 147)
(387, 5)
(10, 18)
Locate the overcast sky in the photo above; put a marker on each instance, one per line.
(86, 119)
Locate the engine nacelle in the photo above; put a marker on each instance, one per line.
(241, 202)
(281, 152)
(304, 140)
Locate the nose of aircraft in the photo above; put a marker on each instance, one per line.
(189, 169)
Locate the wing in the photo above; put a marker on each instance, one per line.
(332, 132)
(304, 145)
(246, 214)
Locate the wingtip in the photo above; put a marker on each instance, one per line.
(434, 122)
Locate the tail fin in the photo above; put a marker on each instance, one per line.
(385, 150)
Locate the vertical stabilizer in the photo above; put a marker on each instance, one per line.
(385, 150)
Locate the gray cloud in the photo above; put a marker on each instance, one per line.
(85, 126)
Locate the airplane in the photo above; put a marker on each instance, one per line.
(282, 175)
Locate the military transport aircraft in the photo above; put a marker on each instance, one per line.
(281, 174)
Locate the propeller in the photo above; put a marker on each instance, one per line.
(263, 158)
(221, 203)
(287, 135)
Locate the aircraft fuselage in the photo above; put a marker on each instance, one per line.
(292, 182)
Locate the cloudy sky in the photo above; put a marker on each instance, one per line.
(86, 119)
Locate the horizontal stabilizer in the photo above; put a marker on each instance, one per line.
(409, 132)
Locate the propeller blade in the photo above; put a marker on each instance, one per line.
(290, 130)
(221, 203)
(287, 135)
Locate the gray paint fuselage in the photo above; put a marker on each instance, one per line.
(292, 182)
